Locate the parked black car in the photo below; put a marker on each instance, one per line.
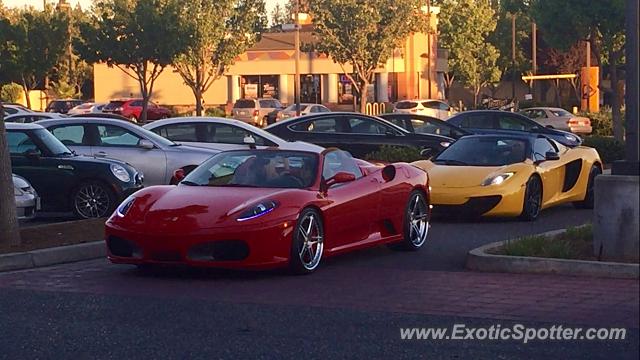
(62, 106)
(356, 133)
(88, 186)
(423, 124)
(496, 121)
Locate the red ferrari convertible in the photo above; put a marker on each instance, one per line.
(269, 208)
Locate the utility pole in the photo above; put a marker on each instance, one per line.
(513, 57)
(429, 49)
(534, 56)
(296, 84)
(587, 80)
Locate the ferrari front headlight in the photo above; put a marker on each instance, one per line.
(497, 179)
(257, 210)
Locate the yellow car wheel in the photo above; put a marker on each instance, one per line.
(588, 201)
(532, 199)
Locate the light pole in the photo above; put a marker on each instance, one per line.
(429, 48)
(296, 84)
(513, 57)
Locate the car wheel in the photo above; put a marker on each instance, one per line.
(532, 199)
(308, 242)
(93, 200)
(415, 227)
(588, 201)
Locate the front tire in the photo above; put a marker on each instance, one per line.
(589, 196)
(532, 202)
(307, 244)
(416, 224)
(93, 200)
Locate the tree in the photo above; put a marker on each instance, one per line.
(363, 34)
(40, 39)
(599, 22)
(464, 28)
(220, 31)
(501, 36)
(139, 37)
(278, 17)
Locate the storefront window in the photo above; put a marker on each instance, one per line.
(311, 91)
(393, 87)
(259, 86)
(346, 92)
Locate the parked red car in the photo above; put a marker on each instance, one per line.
(269, 208)
(132, 109)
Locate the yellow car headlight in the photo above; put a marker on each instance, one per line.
(497, 179)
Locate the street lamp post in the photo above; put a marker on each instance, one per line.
(513, 57)
(296, 84)
(429, 48)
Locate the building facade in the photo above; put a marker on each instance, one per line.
(268, 70)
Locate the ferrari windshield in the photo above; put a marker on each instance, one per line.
(257, 168)
(483, 151)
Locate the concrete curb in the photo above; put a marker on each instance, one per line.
(52, 256)
(478, 259)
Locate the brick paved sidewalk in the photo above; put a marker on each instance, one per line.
(519, 297)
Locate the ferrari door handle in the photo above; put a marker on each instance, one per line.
(101, 154)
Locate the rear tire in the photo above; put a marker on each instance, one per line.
(589, 196)
(416, 223)
(532, 202)
(307, 245)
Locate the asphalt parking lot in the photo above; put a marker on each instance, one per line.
(352, 307)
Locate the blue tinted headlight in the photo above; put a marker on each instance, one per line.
(257, 210)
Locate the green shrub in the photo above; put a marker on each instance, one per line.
(11, 93)
(388, 153)
(609, 148)
(215, 112)
(602, 122)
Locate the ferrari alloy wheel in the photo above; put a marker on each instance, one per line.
(93, 200)
(308, 242)
(588, 201)
(416, 223)
(532, 199)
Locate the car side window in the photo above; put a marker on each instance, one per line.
(229, 134)
(507, 122)
(443, 106)
(431, 105)
(360, 125)
(136, 103)
(10, 111)
(70, 135)
(540, 148)
(178, 132)
(476, 121)
(20, 143)
(429, 127)
(339, 161)
(111, 135)
(400, 122)
(323, 125)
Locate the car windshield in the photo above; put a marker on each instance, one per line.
(483, 151)
(561, 112)
(51, 142)
(257, 168)
(244, 104)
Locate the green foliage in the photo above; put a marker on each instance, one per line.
(465, 26)
(575, 243)
(140, 37)
(64, 90)
(11, 92)
(389, 153)
(601, 122)
(501, 36)
(364, 33)
(219, 31)
(215, 112)
(609, 148)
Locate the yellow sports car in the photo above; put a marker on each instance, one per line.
(510, 175)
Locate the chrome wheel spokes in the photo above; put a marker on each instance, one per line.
(92, 201)
(418, 221)
(310, 251)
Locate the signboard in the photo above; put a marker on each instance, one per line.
(251, 91)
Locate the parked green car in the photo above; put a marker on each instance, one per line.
(87, 186)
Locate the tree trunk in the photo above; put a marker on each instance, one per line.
(145, 106)
(618, 132)
(8, 221)
(364, 87)
(198, 94)
(26, 93)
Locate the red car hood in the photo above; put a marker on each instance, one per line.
(180, 209)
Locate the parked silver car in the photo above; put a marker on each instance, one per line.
(305, 109)
(156, 157)
(557, 118)
(219, 133)
(27, 199)
(258, 112)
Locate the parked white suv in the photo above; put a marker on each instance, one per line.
(259, 112)
(429, 107)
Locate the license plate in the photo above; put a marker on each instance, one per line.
(243, 113)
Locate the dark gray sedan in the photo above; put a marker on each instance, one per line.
(156, 157)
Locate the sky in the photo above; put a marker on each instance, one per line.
(87, 3)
